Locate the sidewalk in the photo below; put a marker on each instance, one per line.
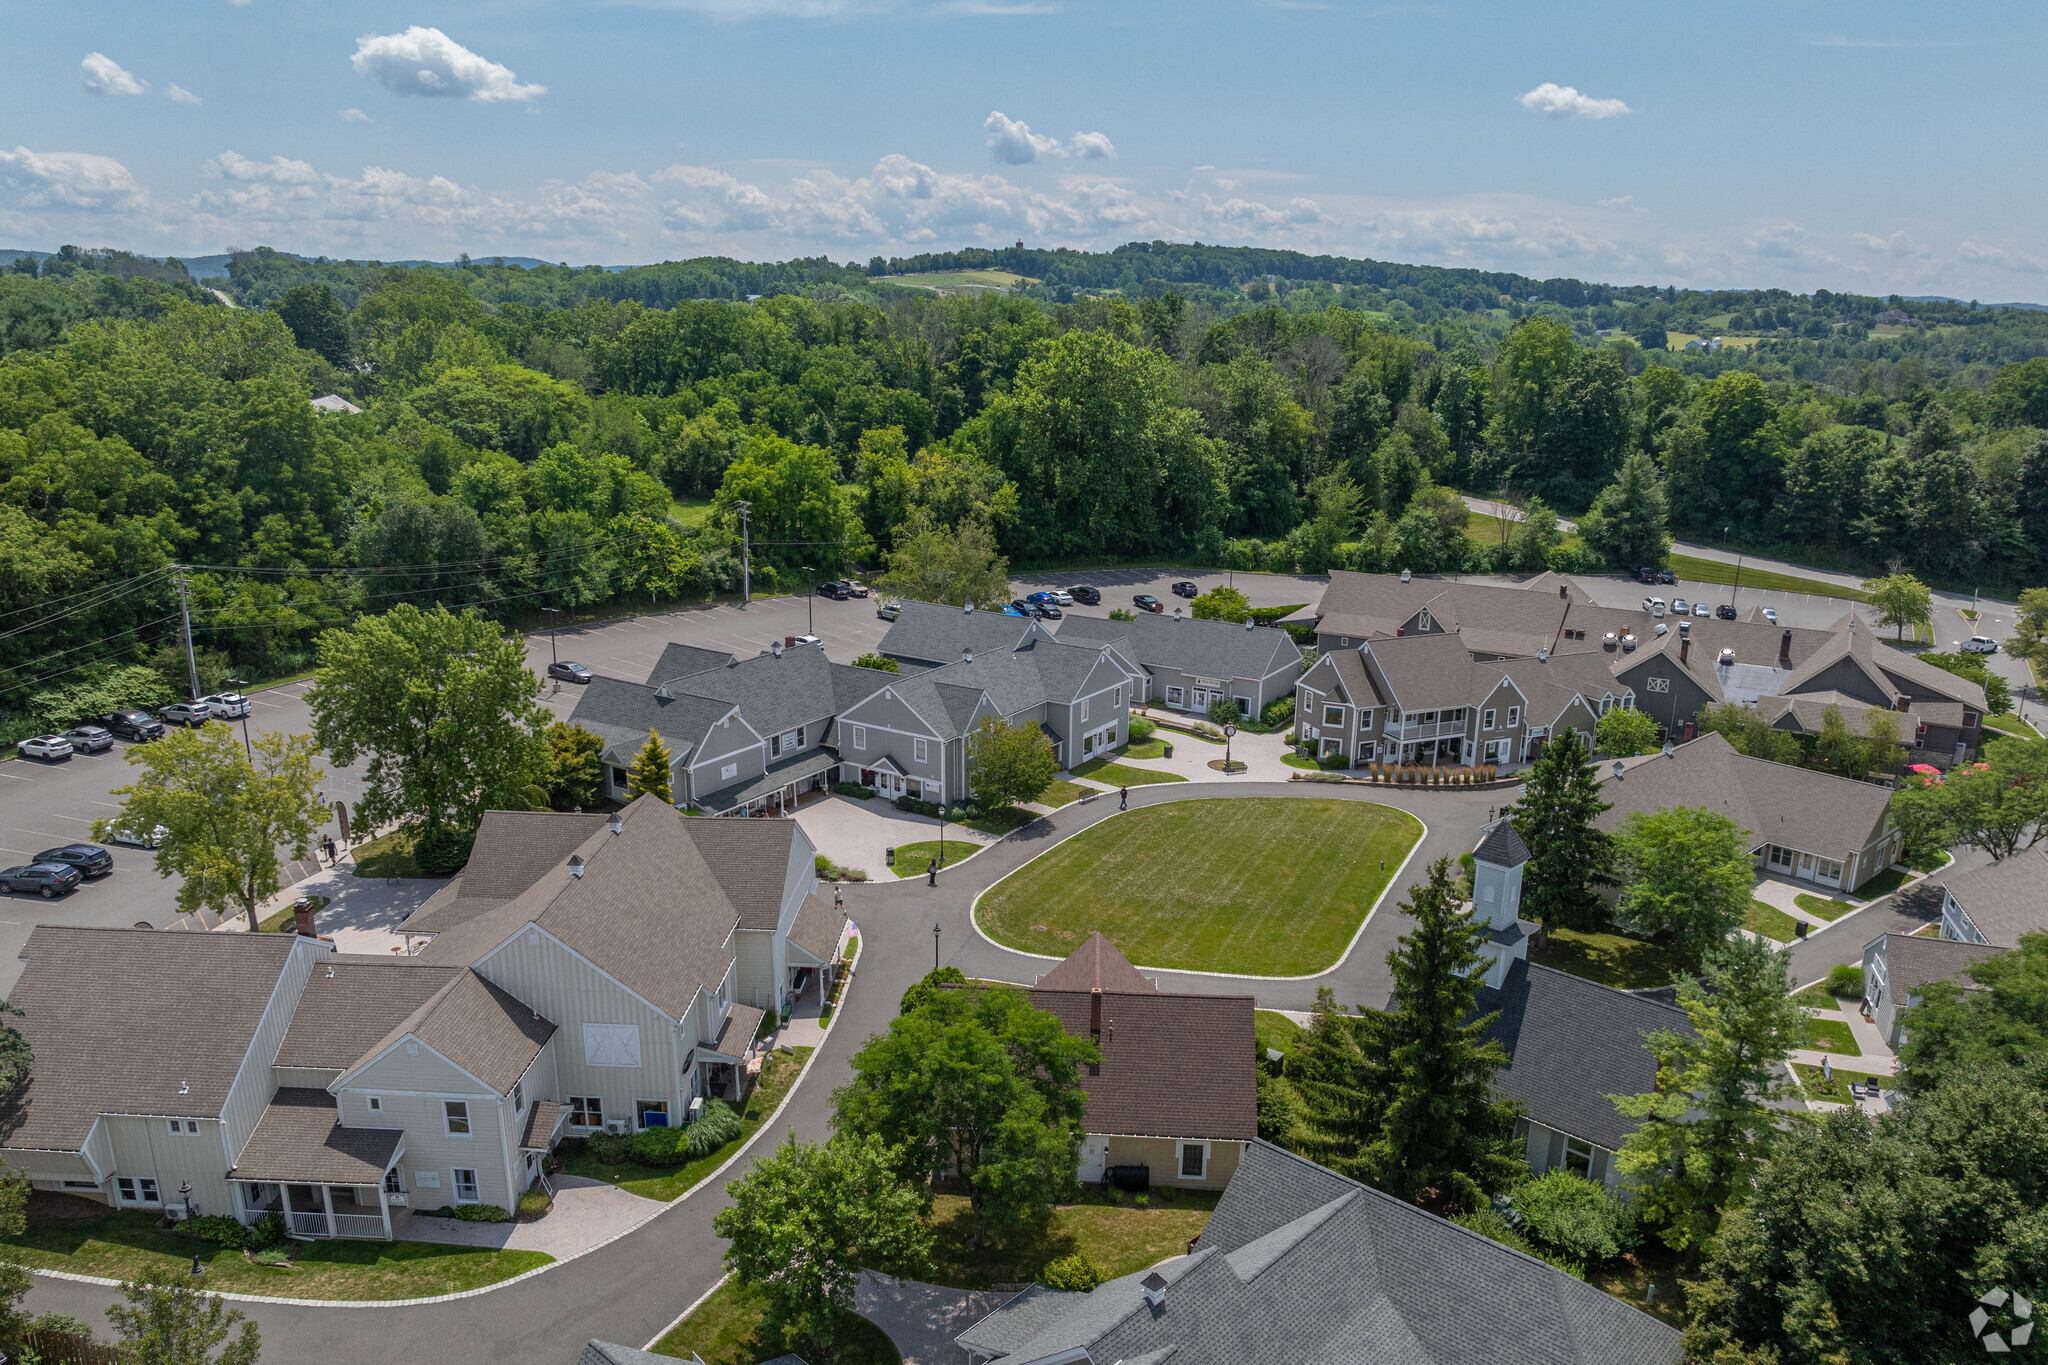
(362, 914)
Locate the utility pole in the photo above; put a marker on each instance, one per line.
(185, 614)
(810, 602)
(746, 561)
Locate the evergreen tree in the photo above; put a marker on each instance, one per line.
(1629, 518)
(650, 770)
(1343, 1079)
(1569, 860)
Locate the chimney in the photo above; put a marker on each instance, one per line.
(616, 824)
(576, 864)
(1154, 1286)
(1684, 646)
(1564, 594)
(1095, 1011)
(788, 642)
(302, 917)
(1785, 650)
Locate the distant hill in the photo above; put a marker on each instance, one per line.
(1943, 298)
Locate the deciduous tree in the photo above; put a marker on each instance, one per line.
(1901, 600)
(1999, 805)
(957, 567)
(1996, 1010)
(166, 1323)
(1009, 764)
(1221, 604)
(1625, 733)
(1686, 871)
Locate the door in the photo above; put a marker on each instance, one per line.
(1094, 1153)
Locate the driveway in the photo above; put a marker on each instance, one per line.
(586, 1213)
(858, 834)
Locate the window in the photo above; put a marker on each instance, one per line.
(465, 1186)
(1244, 706)
(728, 772)
(1116, 696)
(1486, 718)
(1578, 1157)
(456, 1113)
(1365, 750)
(1606, 704)
(1657, 685)
(1781, 858)
(1194, 1160)
(376, 1104)
(189, 1127)
(392, 1183)
(1828, 871)
(586, 1111)
(518, 1097)
(1424, 718)
(794, 739)
(774, 746)
(618, 777)
(860, 736)
(1514, 716)
(917, 750)
(1084, 708)
(650, 1113)
(1173, 696)
(137, 1190)
(80, 1185)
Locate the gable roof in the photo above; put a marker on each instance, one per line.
(1096, 966)
(300, 1138)
(479, 1026)
(352, 1002)
(1776, 802)
(1042, 671)
(188, 1009)
(621, 714)
(1300, 1265)
(1424, 672)
(1209, 649)
(946, 706)
(780, 692)
(931, 633)
(680, 661)
(1696, 663)
(2007, 898)
(1352, 676)
(1911, 961)
(1175, 1066)
(1571, 1043)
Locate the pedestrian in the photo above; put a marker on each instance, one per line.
(931, 870)
(328, 844)
(1827, 1070)
(1124, 798)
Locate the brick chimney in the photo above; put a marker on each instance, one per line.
(302, 917)
(1095, 1011)
(1785, 650)
(1684, 648)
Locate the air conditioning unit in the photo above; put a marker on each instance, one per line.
(615, 1126)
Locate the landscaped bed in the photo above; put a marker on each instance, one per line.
(129, 1246)
(666, 1182)
(1608, 956)
(1838, 1091)
(1122, 774)
(1269, 886)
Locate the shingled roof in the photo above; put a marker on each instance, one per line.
(622, 713)
(1209, 649)
(1775, 802)
(2005, 899)
(1501, 846)
(1096, 966)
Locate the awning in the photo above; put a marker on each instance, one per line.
(300, 1141)
(814, 937)
(778, 776)
(543, 1124)
(735, 1033)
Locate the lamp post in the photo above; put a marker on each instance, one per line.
(1229, 733)
(811, 601)
(247, 748)
(1735, 588)
(185, 1193)
(935, 945)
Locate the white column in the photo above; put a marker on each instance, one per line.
(327, 1203)
(384, 1209)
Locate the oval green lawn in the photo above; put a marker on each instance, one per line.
(1262, 886)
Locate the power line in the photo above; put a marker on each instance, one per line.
(83, 592)
(107, 596)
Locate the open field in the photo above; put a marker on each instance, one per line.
(1690, 570)
(958, 279)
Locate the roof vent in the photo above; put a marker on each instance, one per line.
(1404, 575)
(1541, 654)
(967, 610)
(575, 864)
(1564, 592)
(616, 824)
(776, 649)
(1685, 628)
(661, 693)
(1619, 767)
(1176, 613)
(967, 656)
(1667, 748)
(1154, 1286)
(1248, 623)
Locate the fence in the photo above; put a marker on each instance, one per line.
(68, 1348)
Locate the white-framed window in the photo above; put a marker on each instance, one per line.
(586, 1111)
(618, 777)
(1781, 858)
(518, 1097)
(1829, 871)
(455, 1114)
(1514, 716)
(393, 1182)
(1084, 708)
(917, 750)
(375, 1103)
(728, 772)
(1578, 1156)
(1366, 750)
(184, 1127)
(465, 1186)
(1606, 704)
(1365, 719)
(1116, 696)
(1628, 701)
(1486, 719)
(860, 736)
(137, 1190)
(1173, 695)
(1194, 1160)
(643, 1108)
(1244, 706)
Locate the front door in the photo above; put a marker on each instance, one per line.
(1094, 1153)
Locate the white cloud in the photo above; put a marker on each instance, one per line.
(426, 61)
(1013, 142)
(1094, 147)
(180, 95)
(77, 181)
(354, 116)
(1562, 101)
(102, 75)
(1975, 252)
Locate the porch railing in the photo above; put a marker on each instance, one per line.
(358, 1225)
(309, 1224)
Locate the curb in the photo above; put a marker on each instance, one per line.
(974, 910)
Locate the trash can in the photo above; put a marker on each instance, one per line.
(889, 856)
(1168, 748)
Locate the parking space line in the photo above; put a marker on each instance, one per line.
(79, 818)
(258, 701)
(16, 777)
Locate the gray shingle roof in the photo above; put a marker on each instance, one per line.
(1425, 672)
(350, 1003)
(778, 775)
(1852, 645)
(1043, 671)
(737, 1030)
(1571, 1043)
(929, 633)
(300, 1139)
(817, 927)
(621, 714)
(947, 705)
(778, 694)
(2005, 899)
(1501, 846)
(1359, 687)
(1911, 962)
(1776, 802)
(188, 1010)
(1096, 966)
(1299, 1265)
(1210, 649)
(680, 661)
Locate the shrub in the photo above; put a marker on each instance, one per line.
(442, 852)
(1143, 1201)
(221, 1230)
(1223, 711)
(1142, 728)
(1845, 981)
(855, 790)
(880, 662)
(1322, 777)
(718, 1126)
(267, 1233)
(533, 1204)
(1280, 714)
(481, 1213)
(655, 1146)
(1575, 1216)
(922, 991)
(1122, 614)
(273, 1256)
(1076, 1274)
(914, 806)
(609, 1149)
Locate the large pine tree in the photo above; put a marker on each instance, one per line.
(649, 773)
(1569, 860)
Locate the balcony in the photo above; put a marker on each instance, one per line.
(1411, 733)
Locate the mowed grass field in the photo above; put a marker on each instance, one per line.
(958, 279)
(1268, 886)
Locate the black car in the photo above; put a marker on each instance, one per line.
(836, 591)
(132, 725)
(1186, 590)
(1666, 576)
(48, 880)
(1047, 611)
(1145, 601)
(1647, 576)
(1085, 595)
(1726, 611)
(90, 739)
(1022, 608)
(90, 859)
(568, 672)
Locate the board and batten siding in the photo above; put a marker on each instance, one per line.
(255, 1080)
(758, 978)
(413, 1091)
(144, 1146)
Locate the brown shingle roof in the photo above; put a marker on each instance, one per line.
(352, 1002)
(542, 1119)
(1180, 1066)
(166, 1034)
(1776, 802)
(300, 1139)
(1096, 966)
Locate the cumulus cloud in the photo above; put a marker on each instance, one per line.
(180, 95)
(1562, 101)
(426, 61)
(1013, 142)
(102, 75)
(1094, 147)
(354, 116)
(1975, 252)
(76, 181)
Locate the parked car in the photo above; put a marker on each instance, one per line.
(1771, 615)
(1062, 597)
(1647, 576)
(1039, 598)
(1980, 644)
(1654, 605)
(569, 672)
(888, 611)
(89, 739)
(228, 705)
(1666, 576)
(1702, 609)
(1018, 608)
(854, 587)
(1680, 607)
(91, 860)
(48, 880)
(185, 713)
(136, 837)
(1145, 601)
(138, 726)
(1726, 611)
(809, 640)
(1048, 611)
(836, 591)
(1185, 589)
(48, 748)
(1085, 595)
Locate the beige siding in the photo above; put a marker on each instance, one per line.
(1162, 1155)
(430, 1147)
(305, 1077)
(254, 1083)
(145, 1147)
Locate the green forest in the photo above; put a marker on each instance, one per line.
(572, 438)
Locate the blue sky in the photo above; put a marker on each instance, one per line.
(1873, 147)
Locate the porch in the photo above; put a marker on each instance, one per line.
(781, 790)
(326, 1180)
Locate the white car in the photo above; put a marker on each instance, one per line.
(1701, 609)
(1654, 605)
(135, 838)
(1980, 644)
(49, 748)
(1771, 615)
(1061, 597)
(229, 705)
(809, 640)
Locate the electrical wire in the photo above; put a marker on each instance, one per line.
(84, 592)
(107, 597)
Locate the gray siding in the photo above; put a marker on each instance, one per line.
(254, 1084)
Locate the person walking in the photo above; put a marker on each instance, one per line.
(328, 844)
(1124, 800)
(931, 871)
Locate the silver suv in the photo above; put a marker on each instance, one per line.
(186, 713)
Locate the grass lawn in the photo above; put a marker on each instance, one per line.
(1817, 1089)
(2012, 725)
(1484, 529)
(1122, 775)
(1822, 907)
(1061, 793)
(1831, 1035)
(275, 924)
(1690, 570)
(666, 1182)
(1816, 997)
(1176, 736)
(728, 1329)
(1118, 1237)
(1609, 957)
(128, 1246)
(387, 856)
(1001, 822)
(1295, 760)
(957, 279)
(913, 859)
(1883, 884)
(1154, 747)
(1275, 1030)
(1934, 863)
(690, 512)
(1267, 885)
(1769, 921)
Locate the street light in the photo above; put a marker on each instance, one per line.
(185, 1193)
(1736, 587)
(554, 619)
(811, 601)
(935, 945)
(246, 747)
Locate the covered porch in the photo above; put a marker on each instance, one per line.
(325, 1179)
(779, 790)
(728, 1064)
